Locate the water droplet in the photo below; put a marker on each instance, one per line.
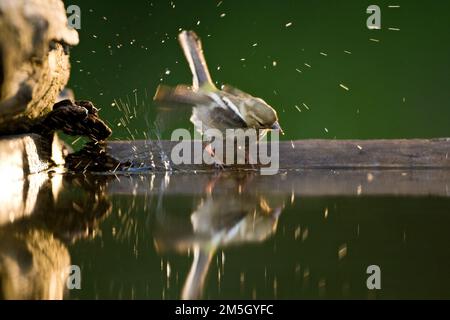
(342, 252)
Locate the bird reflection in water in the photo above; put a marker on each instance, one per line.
(42, 215)
(229, 214)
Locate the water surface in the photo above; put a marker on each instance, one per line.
(154, 237)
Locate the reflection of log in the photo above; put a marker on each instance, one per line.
(33, 264)
(34, 64)
(304, 183)
(38, 218)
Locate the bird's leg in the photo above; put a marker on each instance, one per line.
(217, 163)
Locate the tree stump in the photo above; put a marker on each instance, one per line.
(34, 60)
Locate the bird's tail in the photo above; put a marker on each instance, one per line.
(193, 286)
(193, 51)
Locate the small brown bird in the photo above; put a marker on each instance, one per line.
(213, 108)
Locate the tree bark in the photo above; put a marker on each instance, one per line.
(34, 60)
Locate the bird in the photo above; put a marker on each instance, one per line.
(214, 108)
(228, 214)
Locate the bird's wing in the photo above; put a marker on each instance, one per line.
(228, 108)
(174, 104)
(235, 91)
(217, 117)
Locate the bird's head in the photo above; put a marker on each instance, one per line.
(260, 115)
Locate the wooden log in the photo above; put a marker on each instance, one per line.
(416, 153)
(34, 61)
(23, 155)
(310, 154)
(307, 168)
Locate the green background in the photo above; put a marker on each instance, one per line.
(399, 86)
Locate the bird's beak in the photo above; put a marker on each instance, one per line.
(276, 126)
